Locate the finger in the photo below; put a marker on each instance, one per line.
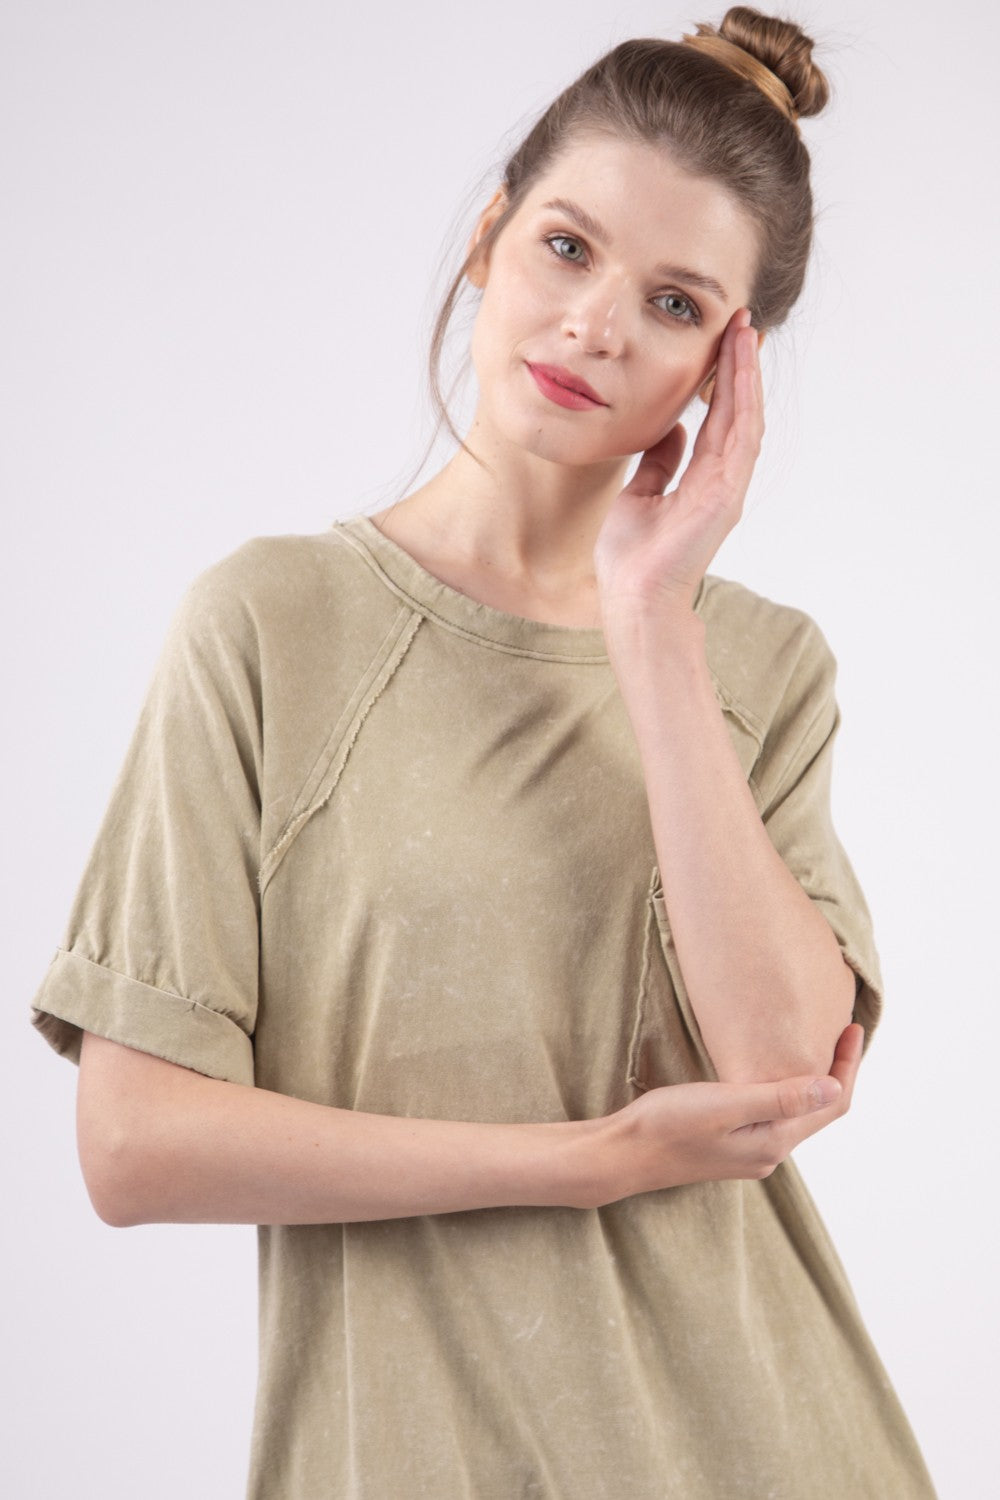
(788, 1099)
(844, 1070)
(742, 444)
(797, 1097)
(748, 388)
(658, 464)
(722, 407)
(847, 1059)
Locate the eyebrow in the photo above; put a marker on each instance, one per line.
(591, 226)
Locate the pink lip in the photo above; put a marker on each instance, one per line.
(565, 388)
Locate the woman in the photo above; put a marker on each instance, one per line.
(488, 839)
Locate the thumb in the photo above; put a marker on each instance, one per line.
(658, 464)
(802, 1096)
(789, 1099)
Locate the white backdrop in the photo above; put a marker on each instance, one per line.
(222, 221)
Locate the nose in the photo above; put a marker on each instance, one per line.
(596, 319)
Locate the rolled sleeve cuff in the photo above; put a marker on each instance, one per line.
(78, 995)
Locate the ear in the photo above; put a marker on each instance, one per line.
(708, 386)
(479, 267)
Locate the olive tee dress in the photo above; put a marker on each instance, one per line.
(379, 846)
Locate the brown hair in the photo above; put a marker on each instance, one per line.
(715, 121)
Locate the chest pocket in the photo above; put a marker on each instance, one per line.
(666, 1045)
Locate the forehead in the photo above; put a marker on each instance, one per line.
(652, 209)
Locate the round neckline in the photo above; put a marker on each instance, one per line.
(451, 607)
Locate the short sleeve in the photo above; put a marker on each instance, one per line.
(161, 951)
(792, 781)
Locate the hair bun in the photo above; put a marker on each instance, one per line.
(783, 48)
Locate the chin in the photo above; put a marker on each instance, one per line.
(568, 449)
(571, 455)
(555, 441)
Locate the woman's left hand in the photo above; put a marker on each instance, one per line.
(653, 549)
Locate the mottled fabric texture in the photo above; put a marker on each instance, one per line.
(379, 846)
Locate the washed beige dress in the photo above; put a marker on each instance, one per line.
(379, 846)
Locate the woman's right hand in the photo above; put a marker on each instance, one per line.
(703, 1132)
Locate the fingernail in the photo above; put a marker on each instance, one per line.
(824, 1091)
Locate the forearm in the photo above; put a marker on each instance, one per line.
(761, 965)
(162, 1144)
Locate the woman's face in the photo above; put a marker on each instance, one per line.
(619, 269)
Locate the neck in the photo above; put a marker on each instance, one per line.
(526, 519)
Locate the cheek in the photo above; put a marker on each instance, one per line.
(664, 395)
(517, 305)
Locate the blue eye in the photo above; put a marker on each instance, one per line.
(553, 240)
(678, 307)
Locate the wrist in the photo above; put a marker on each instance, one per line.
(660, 659)
(647, 629)
(594, 1160)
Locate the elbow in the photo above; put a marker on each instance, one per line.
(777, 1056)
(113, 1211)
(124, 1104)
(772, 1064)
(113, 1174)
(801, 1045)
